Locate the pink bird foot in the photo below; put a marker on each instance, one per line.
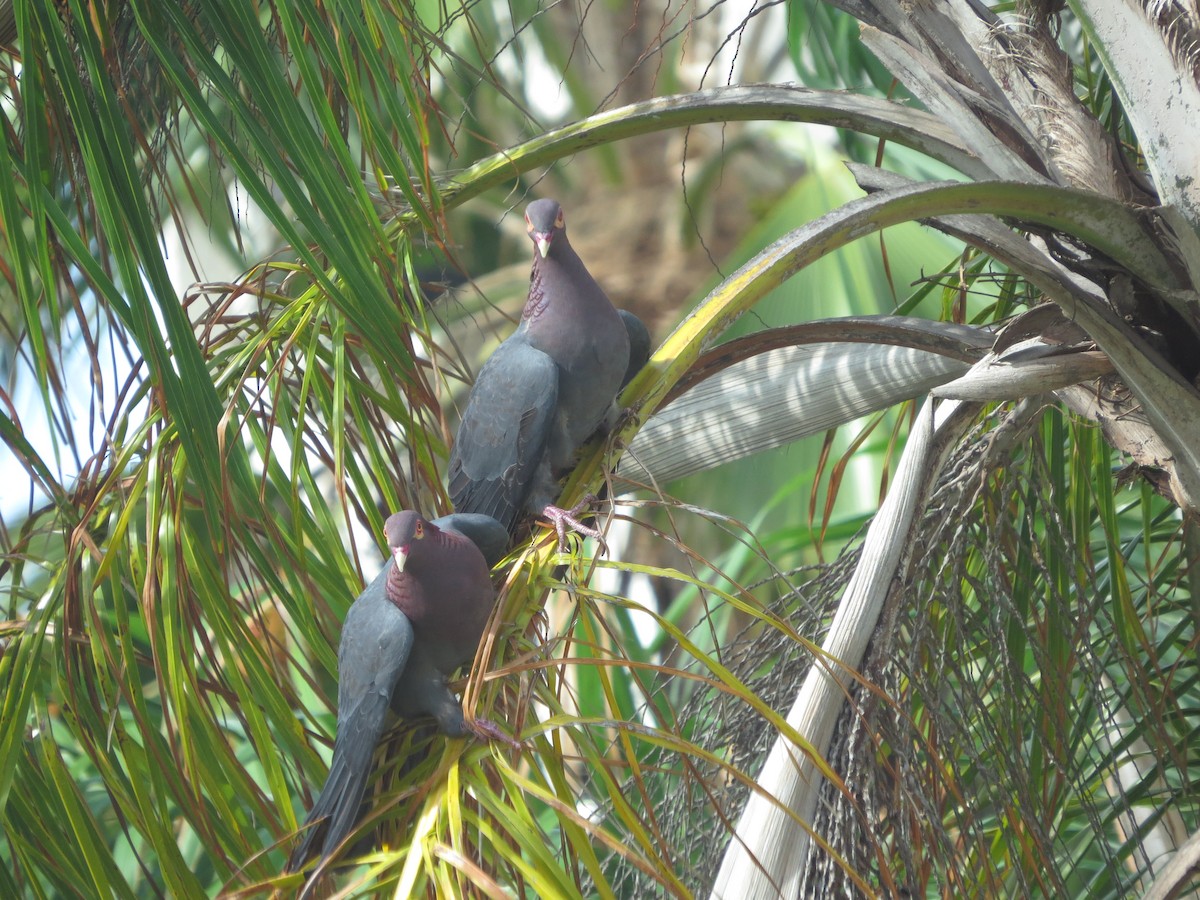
(487, 730)
(564, 518)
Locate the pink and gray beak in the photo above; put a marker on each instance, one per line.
(400, 554)
(542, 240)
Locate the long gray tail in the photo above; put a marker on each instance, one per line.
(342, 795)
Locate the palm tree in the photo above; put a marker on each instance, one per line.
(991, 684)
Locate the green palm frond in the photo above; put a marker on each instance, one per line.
(211, 454)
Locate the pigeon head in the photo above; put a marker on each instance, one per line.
(404, 531)
(544, 221)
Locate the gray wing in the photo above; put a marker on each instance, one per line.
(483, 531)
(504, 432)
(376, 642)
(639, 344)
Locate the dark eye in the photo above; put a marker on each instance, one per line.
(419, 532)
